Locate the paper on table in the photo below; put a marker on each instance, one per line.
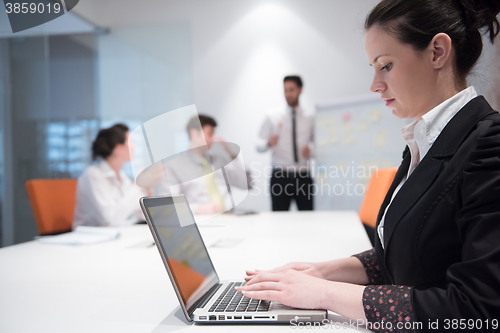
(227, 242)
(81, 236)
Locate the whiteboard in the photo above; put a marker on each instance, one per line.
(354, 137)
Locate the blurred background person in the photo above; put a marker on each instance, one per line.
(289, 134)
(196, 173)
(106, 196)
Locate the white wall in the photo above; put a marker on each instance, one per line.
(144, 71)
(242, 49)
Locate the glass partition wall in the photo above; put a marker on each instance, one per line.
(4, 104)
(48, 118)
(57, 91)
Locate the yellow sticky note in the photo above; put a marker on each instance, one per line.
(334, 139)
(322, 142)
(362, 126)
(347, 126)
(349, 139)
(380, 139)
(375, 115)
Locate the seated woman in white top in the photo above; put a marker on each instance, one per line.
(105, 195)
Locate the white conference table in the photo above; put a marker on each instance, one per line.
(122, 286)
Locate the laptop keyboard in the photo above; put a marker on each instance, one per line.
(232, 301)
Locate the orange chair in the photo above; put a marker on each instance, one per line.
(53, 202)
(377, 189)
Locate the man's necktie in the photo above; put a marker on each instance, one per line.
(213, 189)
(294, 136)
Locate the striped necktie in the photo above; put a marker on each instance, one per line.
(213, 189)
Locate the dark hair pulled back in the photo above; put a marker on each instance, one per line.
(416, 22)
(107, 139)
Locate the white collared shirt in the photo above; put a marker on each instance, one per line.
(420, 136)
(103, 199)
(280, 122)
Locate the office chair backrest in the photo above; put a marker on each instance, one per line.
(377, 189)
(53, 202)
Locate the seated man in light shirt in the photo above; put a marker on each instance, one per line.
(197, 173)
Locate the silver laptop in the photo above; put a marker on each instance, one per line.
(202, 296)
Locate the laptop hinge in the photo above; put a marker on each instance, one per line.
(204, 300)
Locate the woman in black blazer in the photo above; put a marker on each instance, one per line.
(436, 262)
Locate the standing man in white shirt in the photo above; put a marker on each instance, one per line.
(289, 134)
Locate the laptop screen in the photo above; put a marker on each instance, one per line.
(182, 247)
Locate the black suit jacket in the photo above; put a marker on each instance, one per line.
(442, 230)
